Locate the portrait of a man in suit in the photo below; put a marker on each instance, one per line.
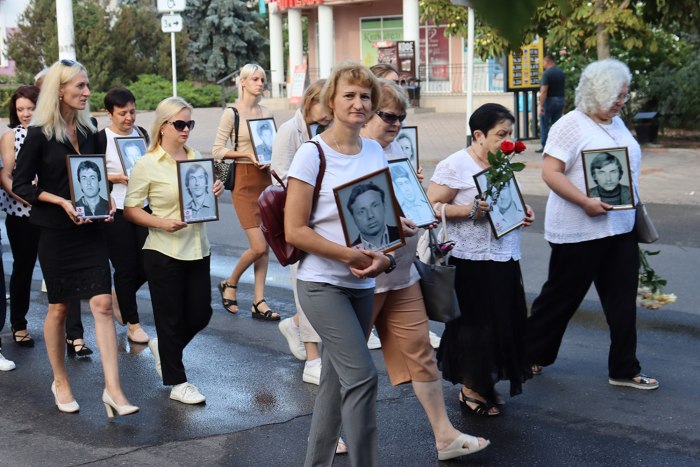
(89, 178)
(367, 207)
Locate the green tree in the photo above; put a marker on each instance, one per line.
(35, 44)
(224, 35)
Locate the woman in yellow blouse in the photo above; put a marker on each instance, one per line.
(176, 254)
(251, 179)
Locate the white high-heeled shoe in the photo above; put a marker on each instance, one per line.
(70, 407)
(112, 407)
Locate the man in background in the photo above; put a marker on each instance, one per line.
(551, 97)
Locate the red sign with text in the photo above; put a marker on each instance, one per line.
(283, 4)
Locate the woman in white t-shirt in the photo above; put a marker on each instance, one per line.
(399, 312)
(336, 282)
(485, 344)
(125, 239)
(591, 243)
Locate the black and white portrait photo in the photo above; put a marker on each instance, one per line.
(369, 213)
(197, 200)
(88, 186)
(408, 140)
(508, 210)
(412, 199)
(608, 177)
(262, 133)
(130, 149)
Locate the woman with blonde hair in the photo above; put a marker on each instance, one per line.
(251, 179)
(399, 312)
(336, 282)
(176, 254)
(72, 251)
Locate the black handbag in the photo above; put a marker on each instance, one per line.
(437, 281)
(226, 171)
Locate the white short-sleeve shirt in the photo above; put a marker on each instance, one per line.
(566, 222)
(325, 219)
(114, 165)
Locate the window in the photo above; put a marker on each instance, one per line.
(373, 30)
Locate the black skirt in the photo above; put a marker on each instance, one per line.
(485, 344)
(74, 262)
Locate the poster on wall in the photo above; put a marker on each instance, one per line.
(298, 82)
(388, 55)
(438, 45)
(407, 59)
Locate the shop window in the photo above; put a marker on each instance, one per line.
(373, 30)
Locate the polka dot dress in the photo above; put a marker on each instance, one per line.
(7, 203)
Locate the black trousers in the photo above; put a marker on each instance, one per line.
(74, 323)
(181, 298)
(612, 264)
(125, 241)
(24, 242)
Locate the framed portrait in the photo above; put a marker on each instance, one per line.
(262, 133)
(413, 201)
(608, 176)
(408, 140)
(88, 185)
(369, 212)
(508, 211)
(315, 129)
(130, 149)
(195, 179)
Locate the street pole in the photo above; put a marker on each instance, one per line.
(64, 24)
(172, 56)
(470, 71)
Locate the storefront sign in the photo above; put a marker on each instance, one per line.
(438, 45)
(283, 4)
(525, 67)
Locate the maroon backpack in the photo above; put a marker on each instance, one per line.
(271, 202)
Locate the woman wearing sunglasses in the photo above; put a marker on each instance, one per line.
(399, 312)
(251, 179)
(72, 251)
(176, 255)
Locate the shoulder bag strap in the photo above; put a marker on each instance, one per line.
(236, 123)
(321, 169)
(143, 134)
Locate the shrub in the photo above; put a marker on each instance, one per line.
(674, 94)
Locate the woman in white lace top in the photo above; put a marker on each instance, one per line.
(485, 344)
(591, 242)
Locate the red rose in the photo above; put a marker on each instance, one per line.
(507, 147)
(519, 146)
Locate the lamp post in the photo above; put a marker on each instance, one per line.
(470, 62)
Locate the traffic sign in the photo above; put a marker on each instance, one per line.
(167, 6)
(171, 23)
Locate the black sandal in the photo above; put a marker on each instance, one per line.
(482, 408)
(81, 350)
(227, 302)
(264, 315)
(23, 341)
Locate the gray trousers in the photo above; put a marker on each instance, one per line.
(348, 388)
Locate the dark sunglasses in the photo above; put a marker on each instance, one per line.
(391, 118)
(66, 62)
(180, 125)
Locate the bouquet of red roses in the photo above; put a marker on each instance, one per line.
(502, 169)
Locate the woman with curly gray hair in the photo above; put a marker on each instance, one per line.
(591, 242)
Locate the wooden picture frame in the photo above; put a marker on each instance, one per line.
(413, 201)
(509, 211)
(197, 202)
(262, 134)
(608, 176)
(130, 149)
(375, 208)
(87, 179)
(408, 140)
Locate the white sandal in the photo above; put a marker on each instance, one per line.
(457, 449)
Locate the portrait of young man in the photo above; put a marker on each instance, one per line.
(367, 207)
(606, 171)
(199, 202)
(264, 149)
(89, 178)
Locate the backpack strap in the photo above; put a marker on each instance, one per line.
(236, 123)
(321, 170)
(143, 134)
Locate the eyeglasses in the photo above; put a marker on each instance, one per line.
(391, 118)
(180, 125)
(66, 62)
(624, 98)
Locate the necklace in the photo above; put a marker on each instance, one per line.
(337, 146)
(603, 128)
(479, 160)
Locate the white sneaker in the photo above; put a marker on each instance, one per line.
(434, 339)
(153, 345)
(296, 346)
(312, 374)
(187, 394)
(7, 365)
(373, 342)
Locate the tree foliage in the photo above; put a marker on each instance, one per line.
(224, 35)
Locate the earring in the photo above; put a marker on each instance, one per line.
(60, 98)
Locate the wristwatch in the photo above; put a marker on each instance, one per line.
(392, 263)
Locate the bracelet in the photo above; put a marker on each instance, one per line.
(475, 207)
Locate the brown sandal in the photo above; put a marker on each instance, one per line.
(227, 302)
(268, 315)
